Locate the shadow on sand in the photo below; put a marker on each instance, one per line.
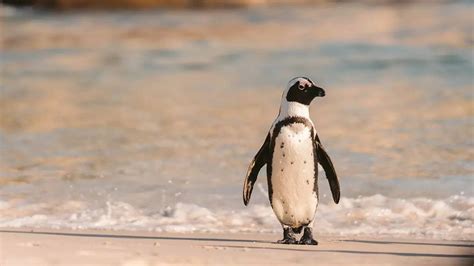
(411, 243)
(132, 236)
(277, 246)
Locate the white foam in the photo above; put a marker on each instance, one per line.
(450, 218)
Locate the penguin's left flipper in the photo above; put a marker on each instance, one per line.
(260, 159)
(328, 167)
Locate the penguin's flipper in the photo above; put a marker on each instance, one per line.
(328, 167)
(260, 159)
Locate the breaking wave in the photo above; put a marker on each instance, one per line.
(451, 218)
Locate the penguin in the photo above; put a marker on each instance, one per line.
(292, 151)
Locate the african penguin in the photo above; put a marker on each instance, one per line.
(292, 151)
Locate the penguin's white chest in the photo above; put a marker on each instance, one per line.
(294, 200)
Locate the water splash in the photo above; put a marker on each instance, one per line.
(377, 215)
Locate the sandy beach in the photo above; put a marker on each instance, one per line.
(63, 247)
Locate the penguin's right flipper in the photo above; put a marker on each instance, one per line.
(328, 167)
(260, 159)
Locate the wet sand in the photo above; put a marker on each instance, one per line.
(63, 247)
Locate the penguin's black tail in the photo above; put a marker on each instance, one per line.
(297, 230)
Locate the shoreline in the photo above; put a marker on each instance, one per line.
(104, 247)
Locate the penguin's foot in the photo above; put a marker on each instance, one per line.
(288, 241)
(307, 238)
(288, 237)
(307, 241)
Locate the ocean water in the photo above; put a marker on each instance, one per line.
(147, 120)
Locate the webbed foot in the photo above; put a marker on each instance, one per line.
(288, 241)
(307, 238)
(288, 237)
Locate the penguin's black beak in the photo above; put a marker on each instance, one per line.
(319, 92)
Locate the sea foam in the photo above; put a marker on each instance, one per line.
(450, 218)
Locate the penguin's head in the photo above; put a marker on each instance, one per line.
(302, 90)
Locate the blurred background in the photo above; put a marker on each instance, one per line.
(144, 114)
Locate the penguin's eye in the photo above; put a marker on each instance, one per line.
(301, 87)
